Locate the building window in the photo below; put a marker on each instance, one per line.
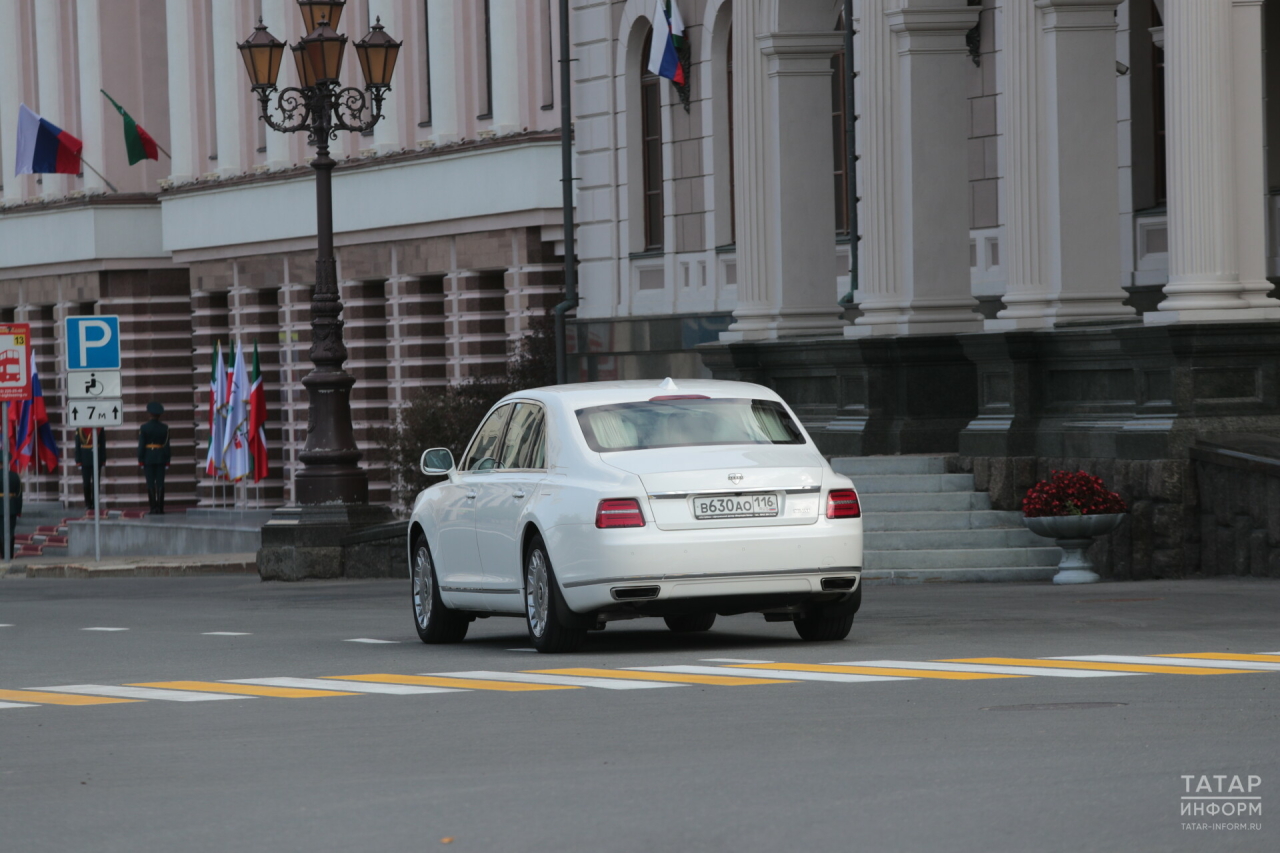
(733, 188)
(651, 149)
(486, 68)
(548, 67)
(839, 139)
(425, 70)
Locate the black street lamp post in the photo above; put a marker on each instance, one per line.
(322, 107)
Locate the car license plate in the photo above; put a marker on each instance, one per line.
(735, 506)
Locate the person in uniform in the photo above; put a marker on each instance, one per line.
(15, 507)
(153, 455)
(85, 438)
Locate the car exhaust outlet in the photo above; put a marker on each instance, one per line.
(635, 593)
(838, 584)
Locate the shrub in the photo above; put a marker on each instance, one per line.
(447, 416)
(1068, 493)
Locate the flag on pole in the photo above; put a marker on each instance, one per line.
(667, 46)
(137, 142)
(235, 442)
(33, 436)
(217, 413)
(44, 148)
(258, 420)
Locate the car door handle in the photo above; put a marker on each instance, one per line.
(519, 494)
(471, 496)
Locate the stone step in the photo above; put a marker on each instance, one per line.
(961, 558)
(857, 466)
(1034, 574)
(939, 520)
(877, 483)
(892, 502)
(926, 540)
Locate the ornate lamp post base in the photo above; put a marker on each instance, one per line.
(307, 541)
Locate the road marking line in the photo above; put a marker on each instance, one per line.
(869, 670)
(721, 680)
(245, 689)
(1108, 667)
(354, 686)
(769, 673)
(6, 625)
(1227, 656)
(225, 634)
(975, 667)
(522, 650)
(370, 641)
(1170, 661)
(436, 681)
(104, 629)
(59, 698)
(4, 705)
(139, 693)
(572, 681)
(733, 660)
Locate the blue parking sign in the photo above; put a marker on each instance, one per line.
(93, 343)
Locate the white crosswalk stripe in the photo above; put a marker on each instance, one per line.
(567, 680)
(4, 705)
(734, 660)
(1205, 662)
(984, 667)
(349, 686)
(788, 674)
(140, 693)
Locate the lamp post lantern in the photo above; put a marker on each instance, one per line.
(322, 107)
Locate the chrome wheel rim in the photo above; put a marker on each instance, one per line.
(422, 585)
(537, 595)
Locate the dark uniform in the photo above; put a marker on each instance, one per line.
(15, 506)
(84, 458)
(154, 454)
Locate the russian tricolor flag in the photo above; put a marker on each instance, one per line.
(668, 37)
(44, 148)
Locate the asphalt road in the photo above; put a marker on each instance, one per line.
(993, 764)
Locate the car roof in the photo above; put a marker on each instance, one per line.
(578, 395)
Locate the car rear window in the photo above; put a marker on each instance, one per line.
(687, 423)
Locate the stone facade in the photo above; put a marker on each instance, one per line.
(1238, 479)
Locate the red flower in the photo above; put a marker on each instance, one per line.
(1067, 493)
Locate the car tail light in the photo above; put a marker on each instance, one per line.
(622, 512)
(843, 503)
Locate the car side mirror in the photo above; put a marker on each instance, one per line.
(436, 462)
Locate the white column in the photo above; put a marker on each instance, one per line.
(92, 128)
(387, 134)
(229, 82)
(182, 91)
(1212, 155)
(506, 66)
(49, 74)
(785, 194)
(279, 17)
(12, 77)
(916, 211)
(442, 27)
(1060, 192)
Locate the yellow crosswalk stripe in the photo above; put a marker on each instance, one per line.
(631, 675)
(41, 698)
(1227, 657)
(1112, 667)
(467, 683)
(875, 670)
(244, 689)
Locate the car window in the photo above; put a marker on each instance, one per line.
(687, 422)
(537, 445)
(525, 422)
(484, 447)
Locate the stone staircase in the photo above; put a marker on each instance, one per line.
(922, 524)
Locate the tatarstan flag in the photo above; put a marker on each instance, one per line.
(257, 420)
(137, 141)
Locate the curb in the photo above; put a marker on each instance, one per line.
(898, 577)
(237, 565)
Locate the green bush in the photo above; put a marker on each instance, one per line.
(448, 416)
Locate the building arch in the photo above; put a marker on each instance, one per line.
(715, 56)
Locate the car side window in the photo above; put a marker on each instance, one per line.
(484, 447)
(525, 424)
(536, 449)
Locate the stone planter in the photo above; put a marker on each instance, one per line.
(1074, 534)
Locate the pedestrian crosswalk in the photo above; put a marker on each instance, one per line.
(709, 672)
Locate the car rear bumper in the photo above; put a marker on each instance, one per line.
(603, 569)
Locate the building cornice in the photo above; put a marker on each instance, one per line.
(80, 200)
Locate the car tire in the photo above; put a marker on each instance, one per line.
(435, 623)
(690, 623)
(821, 627)
(552, 628)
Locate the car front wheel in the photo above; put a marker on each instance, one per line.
(545, 609)
(435, 622)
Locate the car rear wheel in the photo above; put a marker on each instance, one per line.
(548, 617)
(690, 623)
(820, 627)
(435, 622)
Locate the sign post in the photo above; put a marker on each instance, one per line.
(15, 384)
(94, 394)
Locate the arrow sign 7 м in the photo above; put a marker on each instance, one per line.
(96, 413)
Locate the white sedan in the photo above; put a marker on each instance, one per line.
(578, 505)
